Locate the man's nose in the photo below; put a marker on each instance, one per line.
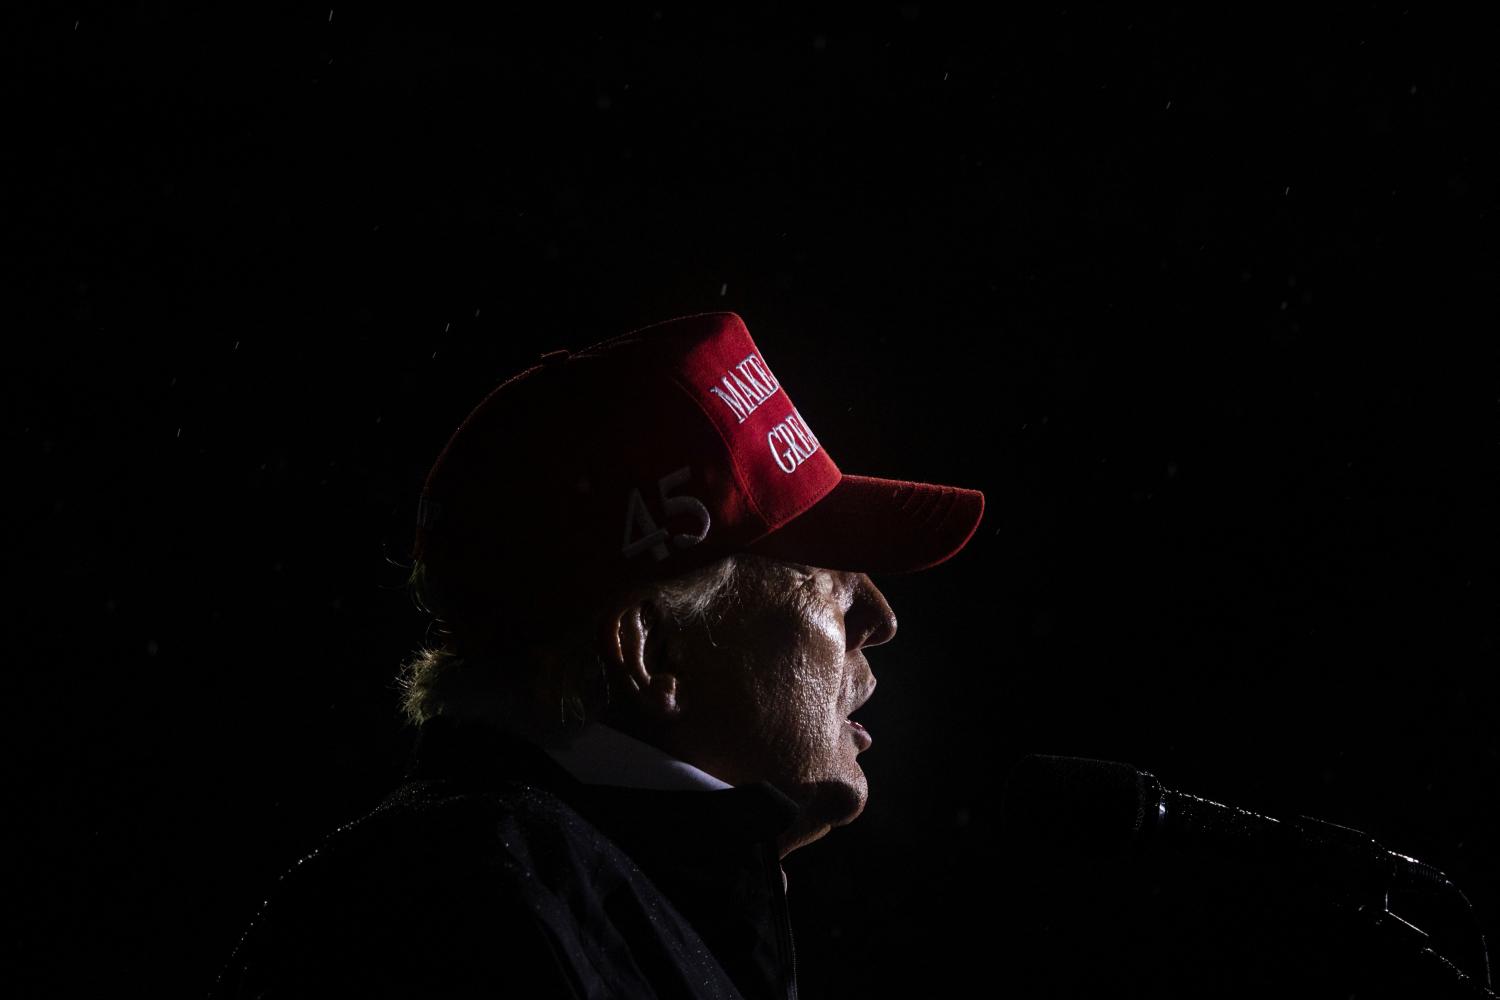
(870, 620)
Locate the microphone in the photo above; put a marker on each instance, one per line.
(1109, 810)
(1103, 808)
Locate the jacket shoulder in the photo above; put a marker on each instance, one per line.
(412, 894)
(455, 890)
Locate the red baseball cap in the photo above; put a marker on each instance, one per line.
(645, 456)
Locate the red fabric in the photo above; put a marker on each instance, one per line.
(880, 526)
(606, 465)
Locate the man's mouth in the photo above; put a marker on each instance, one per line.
(862, 738)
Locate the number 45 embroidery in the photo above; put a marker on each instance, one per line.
(641, 532)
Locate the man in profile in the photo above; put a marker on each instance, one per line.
(653, 592)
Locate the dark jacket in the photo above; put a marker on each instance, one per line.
(492, 872)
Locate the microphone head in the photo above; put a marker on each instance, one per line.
(1076, 804)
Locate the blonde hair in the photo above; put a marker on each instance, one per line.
(516, 687)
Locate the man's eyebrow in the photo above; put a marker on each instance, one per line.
(801, 569)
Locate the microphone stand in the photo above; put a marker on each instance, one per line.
(1362, 880)
(1337, 896)
(1407, 950)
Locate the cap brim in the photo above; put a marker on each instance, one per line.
(878, 526)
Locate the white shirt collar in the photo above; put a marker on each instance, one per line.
(601, 755)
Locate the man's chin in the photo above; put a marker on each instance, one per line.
(826, 805)
(836, 803)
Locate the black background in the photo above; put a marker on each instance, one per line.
(1203, 304)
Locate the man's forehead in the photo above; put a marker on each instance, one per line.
(783, 571)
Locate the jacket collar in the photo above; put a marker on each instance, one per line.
(602, 755)
(479, 754)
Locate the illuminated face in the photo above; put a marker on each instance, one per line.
(767, 687)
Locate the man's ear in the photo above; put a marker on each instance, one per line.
(630, 646)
